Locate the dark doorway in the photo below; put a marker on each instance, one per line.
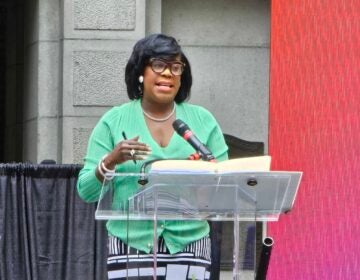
(11, 79)
(2, 78)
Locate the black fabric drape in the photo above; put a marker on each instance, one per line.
(46, 230)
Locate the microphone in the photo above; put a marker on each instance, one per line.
(184, 131)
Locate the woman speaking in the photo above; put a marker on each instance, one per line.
(158, 80)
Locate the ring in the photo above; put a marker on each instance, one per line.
(132, 152)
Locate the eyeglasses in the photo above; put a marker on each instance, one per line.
(159, 65)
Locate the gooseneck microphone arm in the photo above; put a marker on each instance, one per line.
(184, 131)
(143, 179)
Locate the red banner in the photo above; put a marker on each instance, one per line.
(315, 128)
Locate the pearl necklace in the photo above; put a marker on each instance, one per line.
(159, 119)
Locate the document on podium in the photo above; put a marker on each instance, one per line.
(258, 163)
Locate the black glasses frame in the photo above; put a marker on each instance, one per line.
(167, 64)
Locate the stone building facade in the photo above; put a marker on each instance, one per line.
(62, 66)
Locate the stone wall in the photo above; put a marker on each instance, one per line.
(76, 52)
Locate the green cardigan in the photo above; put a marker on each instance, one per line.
(108, 132)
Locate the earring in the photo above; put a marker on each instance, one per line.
(141, 80)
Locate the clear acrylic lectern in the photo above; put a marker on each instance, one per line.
(237, 197)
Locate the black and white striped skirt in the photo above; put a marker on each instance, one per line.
(193, 262)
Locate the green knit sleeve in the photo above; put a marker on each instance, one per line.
(217, 145)
(215, 138)
(100, 143)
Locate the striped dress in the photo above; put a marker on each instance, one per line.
(128, 263)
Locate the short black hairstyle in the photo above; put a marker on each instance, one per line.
(159, 46)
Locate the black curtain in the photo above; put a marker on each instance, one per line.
(46, 230)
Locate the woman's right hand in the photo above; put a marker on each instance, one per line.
(130, 149)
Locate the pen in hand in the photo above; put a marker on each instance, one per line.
(132, 152)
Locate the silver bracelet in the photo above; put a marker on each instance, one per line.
(105, 172)
(100, 169)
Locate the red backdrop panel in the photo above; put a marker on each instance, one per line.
(315, 128)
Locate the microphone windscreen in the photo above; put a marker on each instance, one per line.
(180, 127)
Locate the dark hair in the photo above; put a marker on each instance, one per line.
(155, 45)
